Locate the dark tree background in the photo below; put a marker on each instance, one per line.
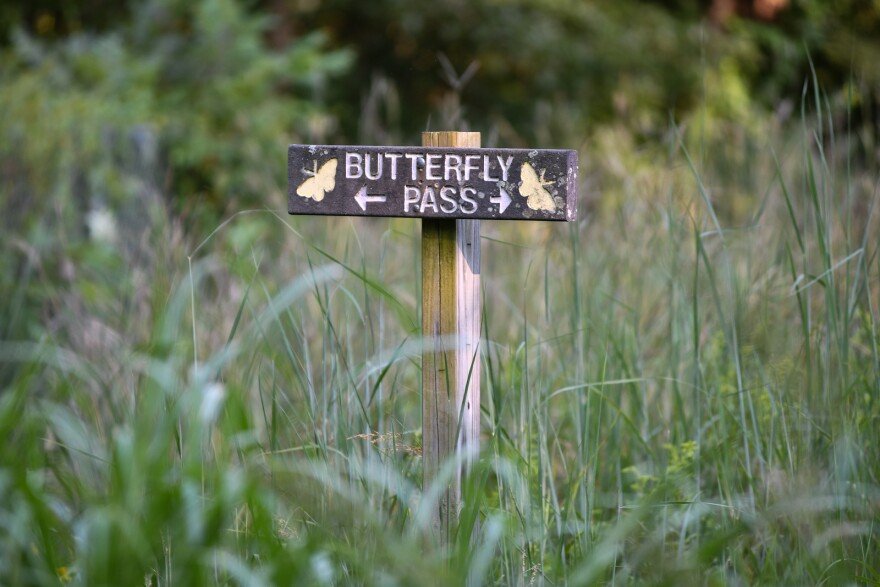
(594, 60)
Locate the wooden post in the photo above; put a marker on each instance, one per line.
(451, 358)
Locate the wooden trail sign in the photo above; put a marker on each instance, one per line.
(432, 182)
(451, 184)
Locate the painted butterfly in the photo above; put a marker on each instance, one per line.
(533, 188)
(321, 181)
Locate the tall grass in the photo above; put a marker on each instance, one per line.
(681, 388)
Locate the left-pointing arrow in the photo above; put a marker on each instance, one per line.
(363, 199)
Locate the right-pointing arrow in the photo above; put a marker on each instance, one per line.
(502, 199)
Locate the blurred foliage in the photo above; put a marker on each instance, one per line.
(179, 106)
(188, 92)
(593, 61)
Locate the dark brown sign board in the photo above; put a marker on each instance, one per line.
(429, 182)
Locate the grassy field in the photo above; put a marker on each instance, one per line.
(682, 388)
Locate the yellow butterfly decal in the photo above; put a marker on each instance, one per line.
(534, 188)
(321, 181)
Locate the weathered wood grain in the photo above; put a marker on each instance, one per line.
(451, 359)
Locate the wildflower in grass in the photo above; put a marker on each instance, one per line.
(64, 574)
